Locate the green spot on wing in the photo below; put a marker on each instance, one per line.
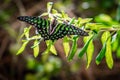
(43, 23)
(39, 22)
(67, 28)
(74, 30)
(70, 29)
(35, 21)
(38, 26)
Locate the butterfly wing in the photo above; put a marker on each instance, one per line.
(41, 25)
(76, 31)
(54, 30)
(60, 31)
(42, 28)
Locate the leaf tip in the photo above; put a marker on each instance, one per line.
(97, 62)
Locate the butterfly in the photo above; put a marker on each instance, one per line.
(52, 30)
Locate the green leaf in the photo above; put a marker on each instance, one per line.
(118, 52)
(115, 43)
(50, 47)
(74, 48)
(83, 50)
(103, 18)
(106, 39)
(54, 11)
(86, 20)
(37, 42)
(108, 54)
(36, 48)
(71, 21)
(118, 13)
(22, 47)
(101, 54)
(53, 50)
(94, 26)
(66, 46)
(89, 51)
(65, 16)
(49, 6)
(26, 32)
(43, 14)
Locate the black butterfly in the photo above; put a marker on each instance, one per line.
(52, 30)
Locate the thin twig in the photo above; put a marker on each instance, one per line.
(22, 12)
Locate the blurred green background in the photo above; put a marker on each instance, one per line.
(51, 67)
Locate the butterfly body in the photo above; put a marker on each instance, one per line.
(51, 30)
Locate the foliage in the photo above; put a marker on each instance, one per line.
(104, 25)
(44, 69)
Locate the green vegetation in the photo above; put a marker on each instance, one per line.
(104, 25)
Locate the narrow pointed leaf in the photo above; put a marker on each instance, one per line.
(36, 48)
(104, 37)
(86, 20)
(53, 50)
(66, 46)
(74, 48)
(115, 43)
(101, 54)
(108, 54)
(118, 52)
(26, 32)
(83, 50)
(49, 6)
(50, 47)
(54, 11)
(89, 54)
(22, 47)
(90, 50)
(64, 15)
(106, 40)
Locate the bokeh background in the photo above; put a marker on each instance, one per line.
(51, 67)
